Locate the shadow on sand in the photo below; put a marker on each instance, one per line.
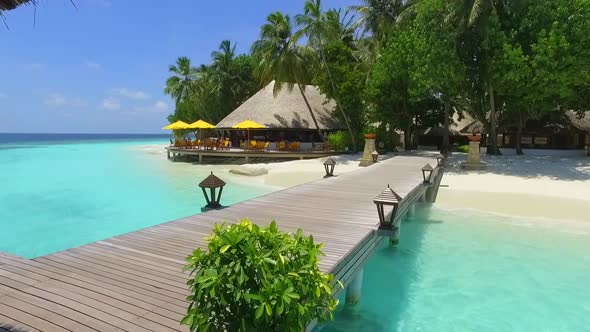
(559, 168)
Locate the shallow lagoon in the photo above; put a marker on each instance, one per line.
(469, 271)
(68, 191)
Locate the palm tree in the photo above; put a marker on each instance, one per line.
(315, 25)
(276, 56)
(223, 58)
(376, 16)
(181, 83)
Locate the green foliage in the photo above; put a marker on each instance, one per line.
(211, 92)
(344, 83)
(339, 140)
(463, 148)
(420, 61)
(255, 278)
(277, 56)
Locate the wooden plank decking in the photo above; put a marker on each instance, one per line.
(134, 282)
(240, 153)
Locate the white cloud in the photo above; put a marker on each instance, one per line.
(157, 107)
(110, 104)
(132, 94)
(33, 66)
(160, 106)
(59, 100)
(92, 64)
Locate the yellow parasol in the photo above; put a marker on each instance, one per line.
(248, 124)
(200, 125)
(176, 125)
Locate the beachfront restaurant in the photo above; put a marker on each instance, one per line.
(285, 119)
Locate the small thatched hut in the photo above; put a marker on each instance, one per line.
(285, 115)
(582, 122)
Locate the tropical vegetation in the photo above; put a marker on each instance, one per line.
(254, 278)
(405, 65)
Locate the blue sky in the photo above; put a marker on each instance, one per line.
(102, 69)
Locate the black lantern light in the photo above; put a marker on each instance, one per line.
(390, 198)
(212, 183)
(427, 172)
(440, 159)
(329, 165)
(375, 155)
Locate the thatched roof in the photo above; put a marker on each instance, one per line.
(580, 122)
(285, 110)
(456, 126)
(12, 4)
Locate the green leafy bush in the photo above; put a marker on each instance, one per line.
(463, 148)
(255, 278)
(339, 141)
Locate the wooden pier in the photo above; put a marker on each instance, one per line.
(174, 152)
(134, 282)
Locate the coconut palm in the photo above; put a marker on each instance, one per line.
(180, 84)
(376, 15)
(224, 57)
(317, 26)
(276, 56)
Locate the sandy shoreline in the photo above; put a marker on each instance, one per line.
(280, 174)
(526, 186)
(556, 188)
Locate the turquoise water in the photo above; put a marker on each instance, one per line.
(467, 271)
(66, 192)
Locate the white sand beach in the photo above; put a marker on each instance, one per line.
(556, 188)
(542, 187)
(280, 174)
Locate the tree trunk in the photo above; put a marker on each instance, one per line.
(408, 138)
(446, 141)
(492, 142)
(315, 121)
(344, 115)
(519, 135)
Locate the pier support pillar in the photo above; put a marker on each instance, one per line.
(422, 198)
(354, 289)
(412, 210)
(394, 240)
(168, 153)
(200, 158)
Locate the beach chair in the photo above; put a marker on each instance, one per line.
(252, 145)
(267, 146)
(226, 144)
(260, 146)
(281, 146)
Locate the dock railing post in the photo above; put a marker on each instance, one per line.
(355, 289)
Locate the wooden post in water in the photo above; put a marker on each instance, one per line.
(355, 289)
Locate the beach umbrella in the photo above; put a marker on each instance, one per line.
(248, 124)
(176, 125)
(200, 125)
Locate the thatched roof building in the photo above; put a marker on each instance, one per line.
(286, 110)
(12, 4)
